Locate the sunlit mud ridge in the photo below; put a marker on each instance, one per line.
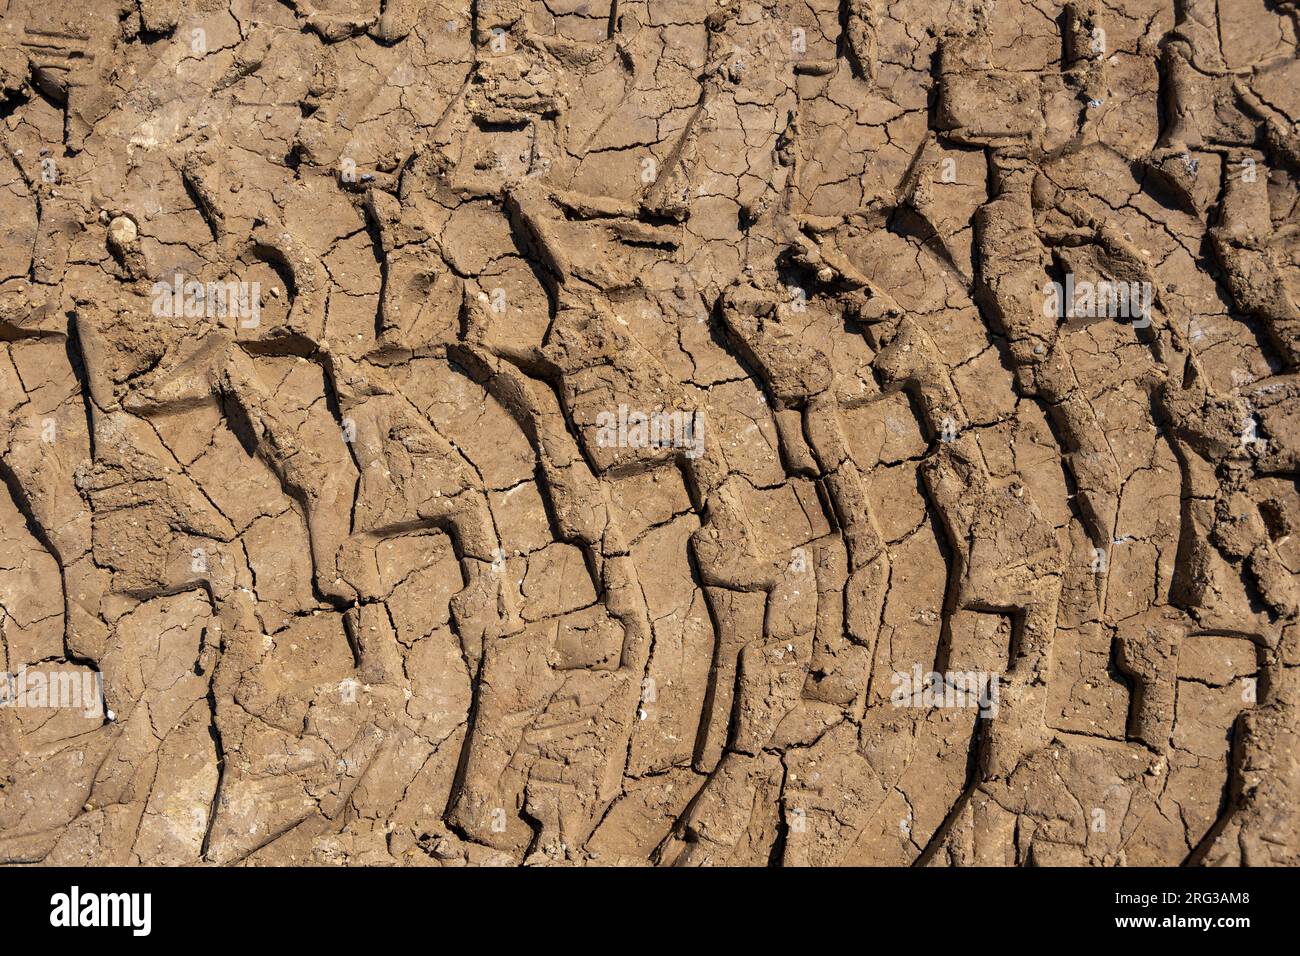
(650, 432)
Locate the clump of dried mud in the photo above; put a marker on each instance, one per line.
(573, 431)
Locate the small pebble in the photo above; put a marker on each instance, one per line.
(122, 231)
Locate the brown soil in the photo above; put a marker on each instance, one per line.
(368, 555)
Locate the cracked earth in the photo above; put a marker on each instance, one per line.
(359, 575)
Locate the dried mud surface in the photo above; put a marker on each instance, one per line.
(364, 584)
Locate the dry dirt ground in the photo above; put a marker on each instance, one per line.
(333, 528)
